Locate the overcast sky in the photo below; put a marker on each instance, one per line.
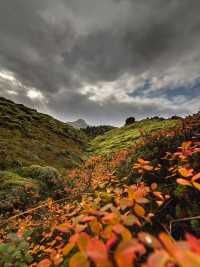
(101, 60)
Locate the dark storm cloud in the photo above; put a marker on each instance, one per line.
(58, 47)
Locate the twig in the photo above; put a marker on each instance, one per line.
(182, 220)
(31, 210)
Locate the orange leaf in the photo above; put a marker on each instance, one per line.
(123, 231)
(96, 227)
(154, 186)
(158, 259)
(79, 260)
(44, 263)
(142, 161)
(184, 258)
(194, 243)
(196, 185)
(149, 240)
(82, 241)
(186, 144)
(183, 182)
(160, 202)
(126, 252)
(68, 248)
(130, 220)
(111, 218)
(196, 177)
(148, 168)
(158, 195)
(125, 203)
(185, 172)
(64, 228)
(139, 210)
(142, 200)
(88, 219)
(57, 259)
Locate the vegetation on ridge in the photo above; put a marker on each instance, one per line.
(131, 208)
(126, 136)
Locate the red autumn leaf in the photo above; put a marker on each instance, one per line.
(97, 252)
(194, 243)
(126, 252)
(111, 242)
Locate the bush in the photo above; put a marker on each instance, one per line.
(48, 175)
(130, 120)
(15, 252)
(16, 191)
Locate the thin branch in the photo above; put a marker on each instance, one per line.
(31, 210)
(182, 220)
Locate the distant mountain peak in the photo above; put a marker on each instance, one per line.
(80, 124)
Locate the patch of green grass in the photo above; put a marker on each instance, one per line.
(10, 179)
(125, 137)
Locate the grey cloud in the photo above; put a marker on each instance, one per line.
(58, 46)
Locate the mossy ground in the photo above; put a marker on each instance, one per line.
(28, 137)
(125, 137)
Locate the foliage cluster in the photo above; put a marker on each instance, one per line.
(129, 209)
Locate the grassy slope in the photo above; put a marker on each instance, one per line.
(126, 136)
(28, 137)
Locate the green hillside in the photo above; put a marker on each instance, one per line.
(126, 136)
(28, 137)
